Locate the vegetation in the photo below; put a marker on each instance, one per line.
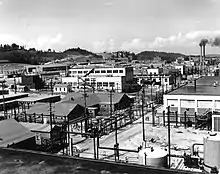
(19, 54)
(149, 55)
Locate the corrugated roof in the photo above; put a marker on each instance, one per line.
(61, 109)
(13, 132)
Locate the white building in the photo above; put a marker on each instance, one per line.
(101, 78)
(154, 71)
(198, 97)
(181, 68)
(62, 88)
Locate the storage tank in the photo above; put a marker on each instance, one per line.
(211, 151)
(154, 156)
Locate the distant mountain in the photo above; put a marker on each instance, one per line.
(149, 55)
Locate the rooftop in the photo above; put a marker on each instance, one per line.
(39, 98)
(204, 86)
(13, 132)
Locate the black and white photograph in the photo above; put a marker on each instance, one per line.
(109, 86)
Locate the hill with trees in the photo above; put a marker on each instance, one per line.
(19, 54)
(149, 55)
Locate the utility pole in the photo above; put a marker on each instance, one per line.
(15, 86)
(3, 96)
(51, 124)
(111, 95)
(51, 86)
(142, 107)
(85, 105)
(168, 117)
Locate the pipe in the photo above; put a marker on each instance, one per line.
(195, 144)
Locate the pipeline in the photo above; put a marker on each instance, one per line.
(195, 144)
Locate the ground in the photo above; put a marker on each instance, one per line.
(131, 137)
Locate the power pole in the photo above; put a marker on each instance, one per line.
(15, 86)
(51, 124)
(51, 86)
(142, 107)
(168, 117)
(3, 96)
(111, 95)
(85, 105)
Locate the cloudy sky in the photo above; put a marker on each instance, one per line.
(109, 25)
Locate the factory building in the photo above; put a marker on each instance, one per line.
(199, 96)
(101, 78)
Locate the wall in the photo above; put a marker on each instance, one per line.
(199, 103)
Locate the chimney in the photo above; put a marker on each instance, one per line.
(195, 85)
(203, 52)
(200, 60)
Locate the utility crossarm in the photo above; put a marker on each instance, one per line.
(91, 71)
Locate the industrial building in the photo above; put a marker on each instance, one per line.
(101, 78)
(198, 96)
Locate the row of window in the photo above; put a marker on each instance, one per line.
(104, 84)
(98, 71)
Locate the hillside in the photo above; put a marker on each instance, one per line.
(18, 54)
(149, 55)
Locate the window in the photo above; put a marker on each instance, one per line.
(85, 72)
(109, 71)
(56, 89)
(79, 72)
(103, 71)
(105, 84)
(121, 71)
(115, 71)
(60, 89)
(111, 84)
(74, 72)
(165, 79)
(97, 71)
(86, 79)
(64, 89)
(99, 83)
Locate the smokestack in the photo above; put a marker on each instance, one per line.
(204, 52)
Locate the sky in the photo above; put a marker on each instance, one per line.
(110, 25)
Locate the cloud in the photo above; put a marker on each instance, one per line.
(134, 45)
(183, 39)
(104, 45)
(6, 38)
(42, 42)
(109, 3)
(1, 2)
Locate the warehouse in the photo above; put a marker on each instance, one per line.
(198, 96)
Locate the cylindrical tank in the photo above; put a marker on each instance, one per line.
(211, 151)
(153, 156)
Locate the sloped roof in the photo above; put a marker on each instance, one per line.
(105, 97)
(13, 132)
(37, 126)
(62, 109)
(78, 98)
